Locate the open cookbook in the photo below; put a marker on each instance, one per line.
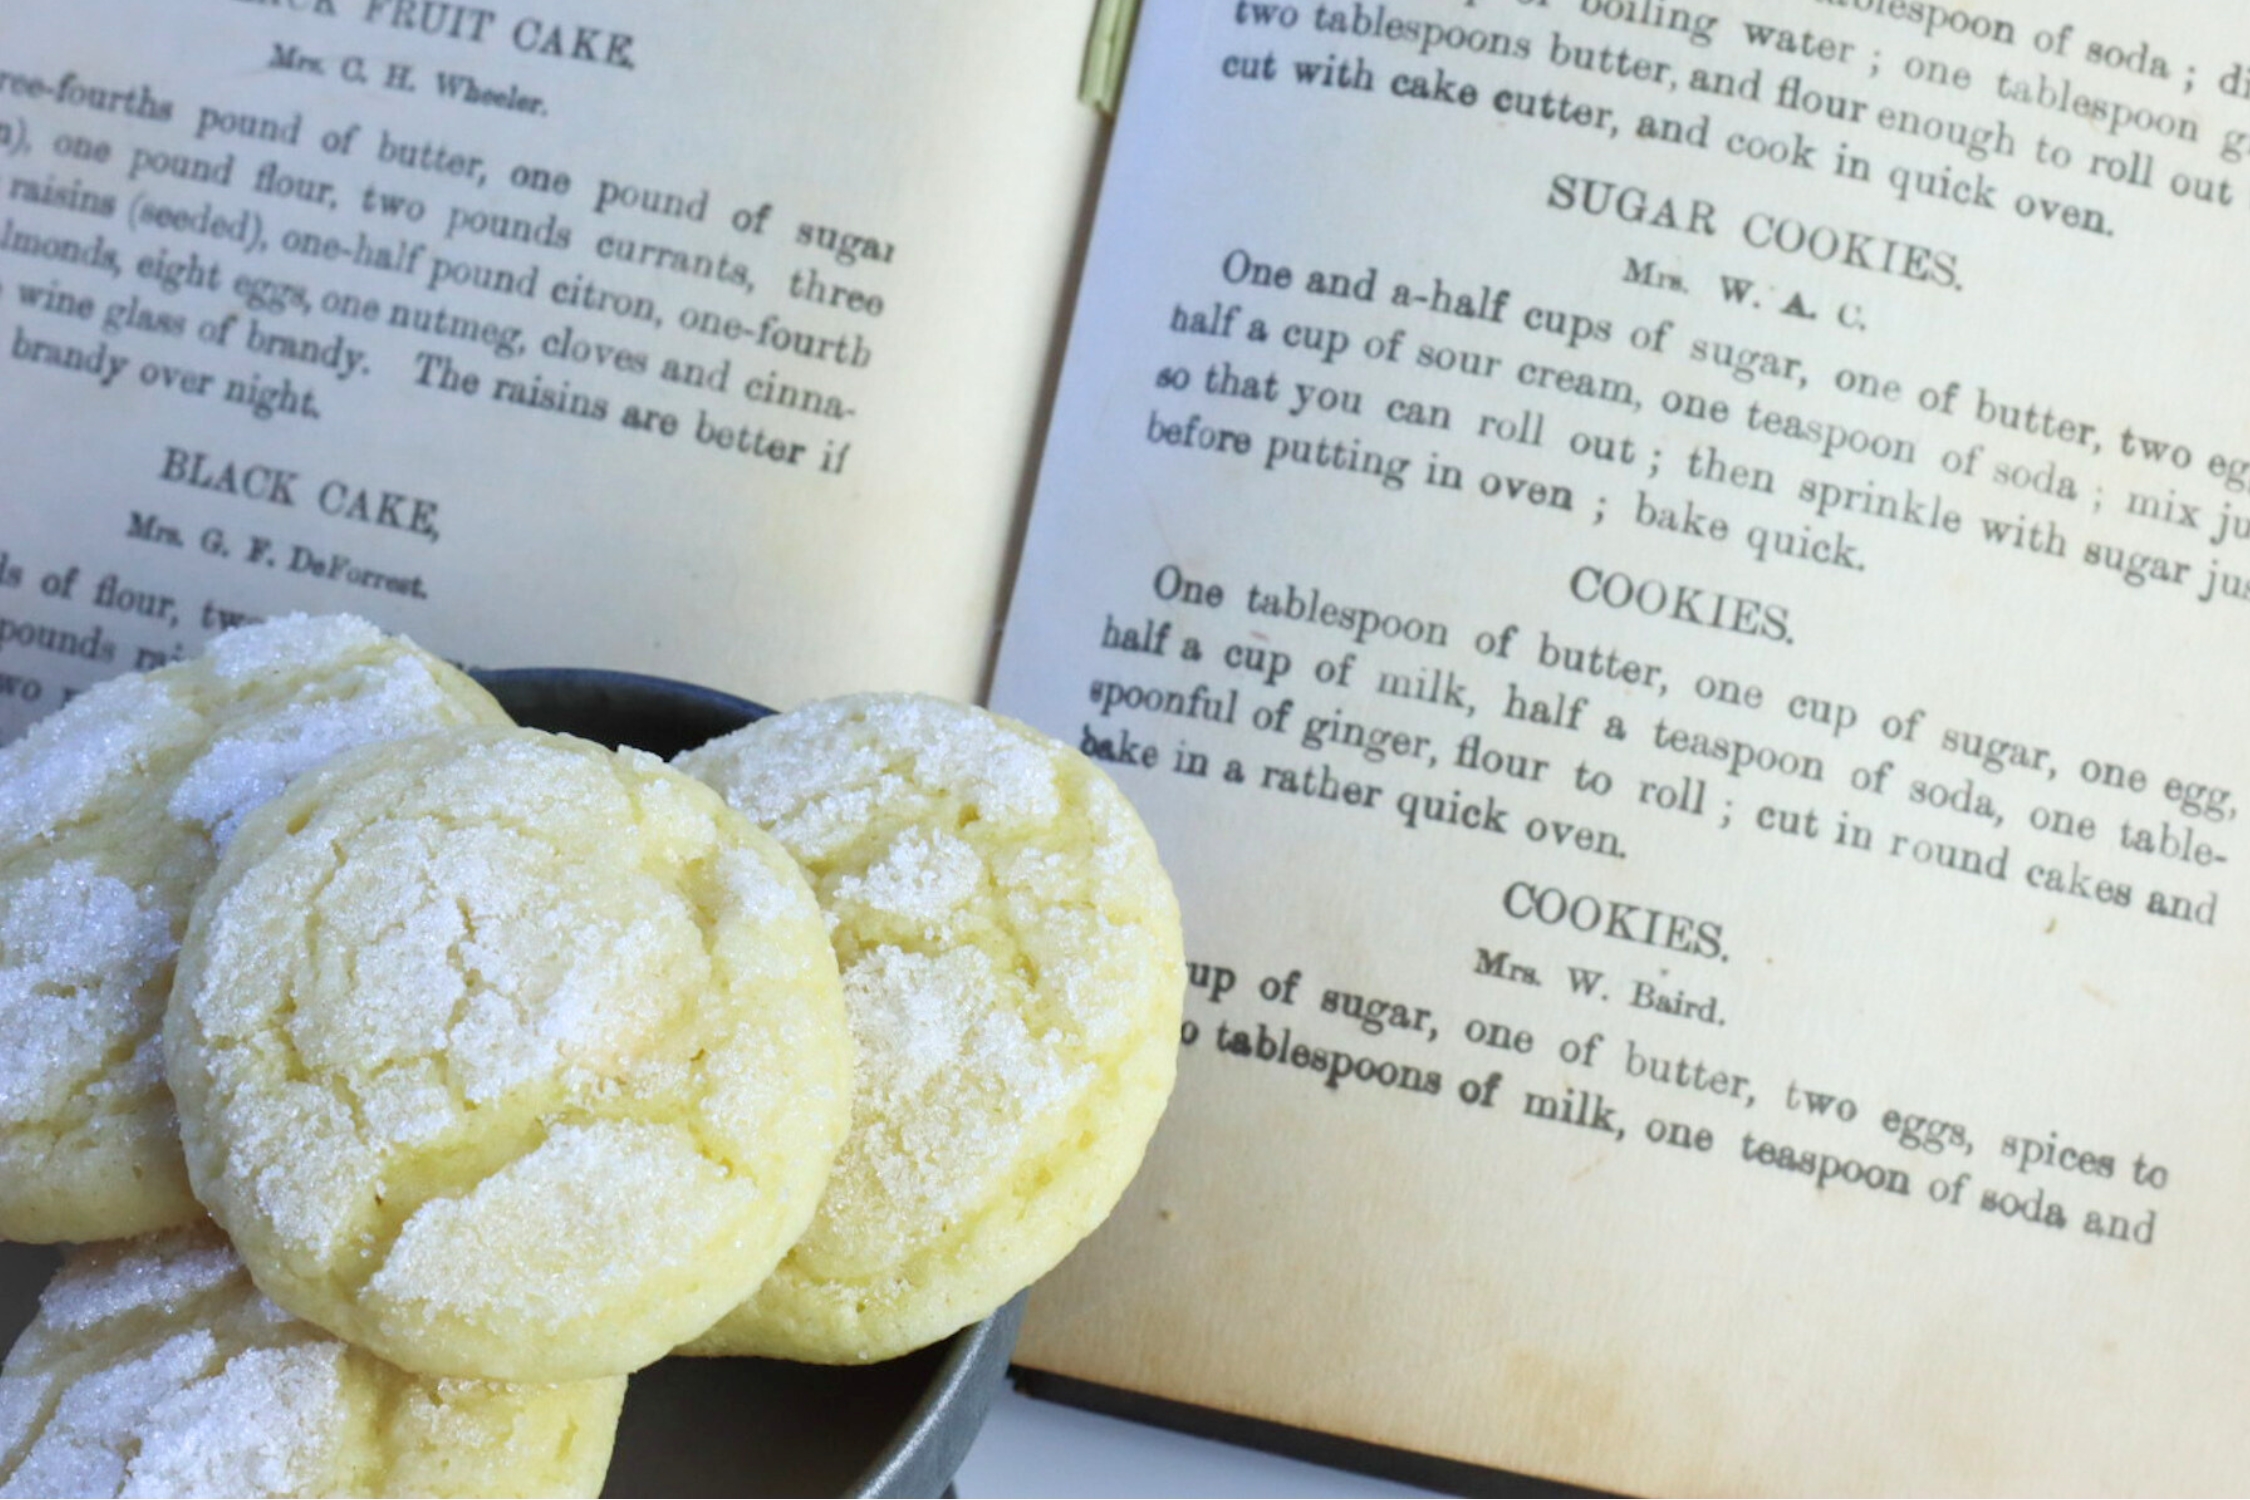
(1662, 573)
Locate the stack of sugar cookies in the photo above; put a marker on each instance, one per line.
(504, 1064)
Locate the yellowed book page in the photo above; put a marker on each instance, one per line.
(697, 338)
(1672, 580)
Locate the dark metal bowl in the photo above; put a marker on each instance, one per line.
(725, 1426)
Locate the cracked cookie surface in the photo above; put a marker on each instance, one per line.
(113, 810)
(507, 1055)
(155, 1367)
(1011, 956)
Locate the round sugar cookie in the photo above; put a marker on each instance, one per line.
(112, 812)
(155, 1367)
(1011, 956)
(506, 1055)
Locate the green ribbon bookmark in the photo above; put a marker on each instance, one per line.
(1106, 51)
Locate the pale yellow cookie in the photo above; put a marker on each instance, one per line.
(1011, 957)
(155, 1367)
(506, 1055)
(112, 811)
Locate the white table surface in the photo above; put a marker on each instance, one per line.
(1033, 1447)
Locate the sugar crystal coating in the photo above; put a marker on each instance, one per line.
(112, 812)
(86, 946)
(69, 763)
(1011, 957)
(155, 1367)
(507, 1055)
(464, 1254)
